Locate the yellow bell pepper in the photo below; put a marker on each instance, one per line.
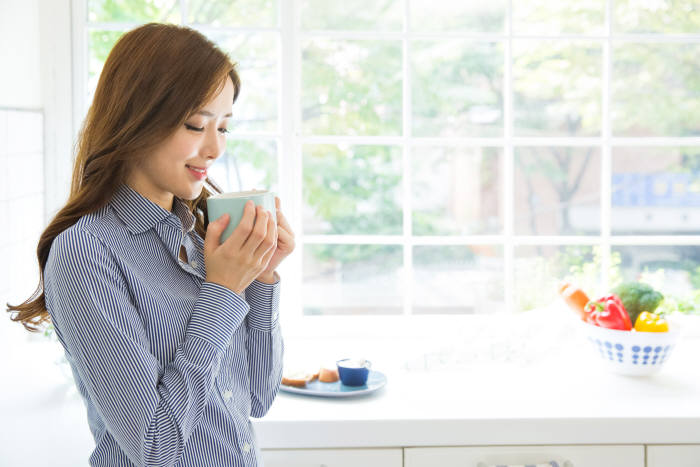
(650, 322)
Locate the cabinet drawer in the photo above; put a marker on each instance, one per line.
(576, 456)
(333, 457)
(673, 456)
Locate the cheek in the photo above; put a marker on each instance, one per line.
(179, 146)
(183, 145)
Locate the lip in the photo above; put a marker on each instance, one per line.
(196, 174)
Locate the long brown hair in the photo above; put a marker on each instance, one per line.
(154, 78)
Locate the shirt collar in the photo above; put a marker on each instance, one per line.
(140, 214)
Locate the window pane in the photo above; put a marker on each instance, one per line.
(663, 16)
(656, 191)
(352, 189)
(246, 13)
(557, 88)
(349, 15)
(131, 11)
(351, 87)
(540, 268)
(247, 165)
(557, 191)
(99, 45)
(655, 90)
(457, 88)
(352, 279)
(546, 17)
(673, 270)
(478, 269)
(256, 55)
(456, 191)
(429, 15)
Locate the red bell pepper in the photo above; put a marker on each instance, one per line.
(608, 312)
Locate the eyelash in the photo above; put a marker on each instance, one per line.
(194, 128)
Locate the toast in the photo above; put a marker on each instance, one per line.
(298, 379)
(328, 375)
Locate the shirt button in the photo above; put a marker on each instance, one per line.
(194, 263)
(228, 395)
(246, 447)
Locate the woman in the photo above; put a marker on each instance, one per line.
(172, 337)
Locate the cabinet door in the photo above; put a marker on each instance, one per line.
(333, 457)
(565, 456)
(673, 456)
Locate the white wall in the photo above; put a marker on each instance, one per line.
(43, 420)
(20, 82)
(21, 147)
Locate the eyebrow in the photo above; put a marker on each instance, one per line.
(206, 113)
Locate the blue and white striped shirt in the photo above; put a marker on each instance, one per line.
(170, 367)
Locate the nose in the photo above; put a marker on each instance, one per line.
(213, 145)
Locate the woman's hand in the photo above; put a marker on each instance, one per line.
(245, 254)
(285, 245)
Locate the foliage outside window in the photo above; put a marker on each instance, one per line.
(462, 157)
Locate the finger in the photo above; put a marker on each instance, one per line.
(283, 237)
(244, 227)
(257, 236)
(265, 260)
(212, 237)
(277, 203)
(270, 242)
(282, 221)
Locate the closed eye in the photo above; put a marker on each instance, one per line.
(193, 128)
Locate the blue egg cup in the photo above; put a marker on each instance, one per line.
(352, 376)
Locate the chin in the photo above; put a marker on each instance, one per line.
(192, 193)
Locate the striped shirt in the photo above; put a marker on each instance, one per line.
(170, 367)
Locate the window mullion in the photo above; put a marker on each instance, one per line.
(289, 150)
(606, 154)
(407, 277)
(508, 166)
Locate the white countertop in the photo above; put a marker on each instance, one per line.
(566, 398)
(496, 387)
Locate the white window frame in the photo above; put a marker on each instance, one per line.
(290, 142)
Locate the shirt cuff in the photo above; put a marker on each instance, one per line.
(219, 311)
(264, 300)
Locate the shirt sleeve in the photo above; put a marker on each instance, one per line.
(265, 345)
(149, 409)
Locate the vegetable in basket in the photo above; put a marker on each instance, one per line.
(637, 297)
(574, 297)
(650, 322)
(608, 312)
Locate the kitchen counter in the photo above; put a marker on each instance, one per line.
(566, 398)
(495, 389)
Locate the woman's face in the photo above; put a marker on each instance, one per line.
(178, 166)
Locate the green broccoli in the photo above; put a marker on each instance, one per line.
(638, 297)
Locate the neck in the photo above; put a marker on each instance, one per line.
(162, 198)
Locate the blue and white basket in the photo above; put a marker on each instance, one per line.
(632, 352)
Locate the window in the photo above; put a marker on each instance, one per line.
(445, 157)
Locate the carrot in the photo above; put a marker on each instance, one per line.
(575, 298)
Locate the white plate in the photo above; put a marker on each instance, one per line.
(375, 380)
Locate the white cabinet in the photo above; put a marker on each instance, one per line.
(488, 456)
(333, 457)
(673, 456)
(565, 456)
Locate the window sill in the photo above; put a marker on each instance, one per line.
(443, 343)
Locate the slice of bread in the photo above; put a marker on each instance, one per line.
(328, 375)
(298, 379)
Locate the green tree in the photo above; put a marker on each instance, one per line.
(355, 88)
